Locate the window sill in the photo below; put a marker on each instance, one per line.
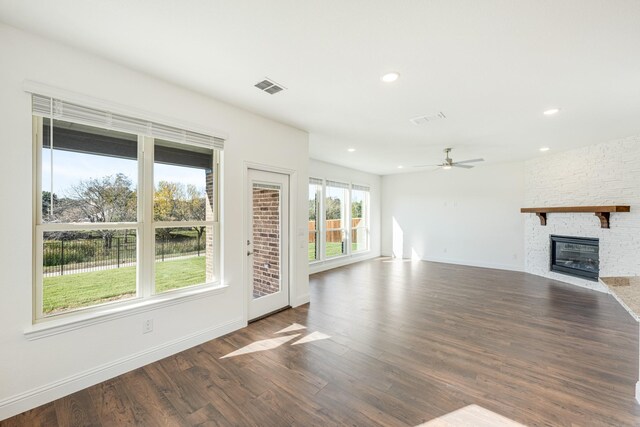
(357, 254)
(50, 327)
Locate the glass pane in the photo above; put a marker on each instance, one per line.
(313, 246)
(335, 243)
(184, 257)
(266, 240)
(315, 193)
(335, 207)
(359, 208)
(85, 268)
(90, 175)
(359, 239)
(184, 183)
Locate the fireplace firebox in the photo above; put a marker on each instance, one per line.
(575, 256)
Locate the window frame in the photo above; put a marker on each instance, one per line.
(144, 226)
(366, 213)
(345, 218)
(319, 219)
(321, 225)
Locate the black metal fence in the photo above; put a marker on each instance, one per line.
(63, 256)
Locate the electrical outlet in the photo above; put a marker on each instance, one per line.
(445, 250)
(147, 326)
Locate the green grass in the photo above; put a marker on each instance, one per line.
(332, 249)
(62, 293)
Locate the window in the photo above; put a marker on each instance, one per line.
(339, 222)
(359, 218)
(315, 218)
(108, 228)
(335, 207)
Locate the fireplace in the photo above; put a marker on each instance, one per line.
(575, 256)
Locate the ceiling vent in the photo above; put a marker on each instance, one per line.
(420, 120)
(269, 86)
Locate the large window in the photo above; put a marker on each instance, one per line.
(109, 227)
(339, 221)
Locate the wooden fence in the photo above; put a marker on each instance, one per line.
(332, 236)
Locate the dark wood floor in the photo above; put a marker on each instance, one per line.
(409, 342)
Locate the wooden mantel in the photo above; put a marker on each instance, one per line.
(602, 212)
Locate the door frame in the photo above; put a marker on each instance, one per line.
(293, 236)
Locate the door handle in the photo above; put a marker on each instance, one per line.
(249, 253)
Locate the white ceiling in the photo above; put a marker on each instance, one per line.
(491, 66)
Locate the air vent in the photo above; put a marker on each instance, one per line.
(269, 86)
(420, 120)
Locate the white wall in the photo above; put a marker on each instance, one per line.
(459, 216)
(602, 174)
(33, 372)
(319, 169)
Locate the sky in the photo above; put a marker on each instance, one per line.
(70, 168)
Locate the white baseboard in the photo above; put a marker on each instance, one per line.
(481, 264)
(38, 396)
(638, 391)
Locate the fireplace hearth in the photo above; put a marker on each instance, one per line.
(575, 256)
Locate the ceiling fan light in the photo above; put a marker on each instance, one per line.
(446, 167)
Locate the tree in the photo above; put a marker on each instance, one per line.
(333, 208)
(46, 203)
(107, 199)
(356, 209)
(174, 201)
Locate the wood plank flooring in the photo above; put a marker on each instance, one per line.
(409, 342)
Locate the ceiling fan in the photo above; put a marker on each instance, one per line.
(449, 163)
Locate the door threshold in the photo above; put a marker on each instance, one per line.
(270, 314)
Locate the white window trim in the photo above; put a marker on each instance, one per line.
(83, 318)
(145, 229)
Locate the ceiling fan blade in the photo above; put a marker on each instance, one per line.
(458, 165)
(471, 161)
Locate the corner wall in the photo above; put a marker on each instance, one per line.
(458, 216)
(35, 372)
(601, 174)
(319, 169)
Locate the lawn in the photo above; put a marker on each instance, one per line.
(62, 293)
(332, 249)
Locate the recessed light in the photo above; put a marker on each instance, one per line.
(390, 77)
(544, 148)
(400, 167)
(351, 150)
(551, 111)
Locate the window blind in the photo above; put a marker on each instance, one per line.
(61, 110)
(315, 181)
(337, 184)
(360, 187)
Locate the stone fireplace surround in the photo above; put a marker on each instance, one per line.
(602, 174)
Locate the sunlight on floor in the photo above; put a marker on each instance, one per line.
(273, 343)
(293, 327)
(315, 336)
(471, 416)
(262, 345)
